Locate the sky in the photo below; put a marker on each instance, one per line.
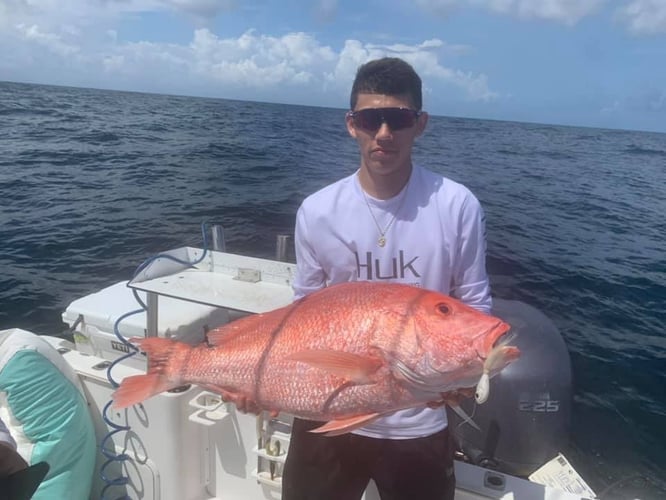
(595, 63)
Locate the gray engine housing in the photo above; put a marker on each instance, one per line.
(526, 419)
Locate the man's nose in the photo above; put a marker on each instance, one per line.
(384, 131)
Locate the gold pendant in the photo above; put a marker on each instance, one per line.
(381, 241)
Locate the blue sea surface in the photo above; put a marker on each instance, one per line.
(93, 182)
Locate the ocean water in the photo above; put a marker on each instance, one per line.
(93, 182)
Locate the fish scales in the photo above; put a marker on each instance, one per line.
(328, 331)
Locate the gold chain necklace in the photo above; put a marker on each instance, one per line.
(381, 241)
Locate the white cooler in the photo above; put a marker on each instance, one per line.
(177, 319)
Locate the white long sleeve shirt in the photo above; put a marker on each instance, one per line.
(435, 240)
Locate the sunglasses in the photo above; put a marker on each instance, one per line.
(371, 119)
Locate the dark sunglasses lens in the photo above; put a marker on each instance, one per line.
(368, 119)
(398, 119)
(395, 118)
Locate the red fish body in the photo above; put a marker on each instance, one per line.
(347, 353)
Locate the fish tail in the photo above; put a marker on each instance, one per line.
(162, 353)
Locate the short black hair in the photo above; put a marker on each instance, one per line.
(389, 76)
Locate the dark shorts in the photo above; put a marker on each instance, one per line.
(339, 468)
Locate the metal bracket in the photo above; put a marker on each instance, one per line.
(248, 275)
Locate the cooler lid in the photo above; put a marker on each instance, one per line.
(100, 310)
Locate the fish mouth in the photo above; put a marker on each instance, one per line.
(490, 337)
(498, 353)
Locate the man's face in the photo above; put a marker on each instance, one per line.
(385, 151)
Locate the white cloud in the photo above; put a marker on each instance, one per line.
(568, 12)
(51, 41)
(259, 60)
(424, 58)
(51, 14)
(295, 64)
(644, 17)
(426, 62)
(77, 43)
(293, 60)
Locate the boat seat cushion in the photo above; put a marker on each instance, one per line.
(42, 403)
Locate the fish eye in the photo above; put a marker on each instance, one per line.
(443, 308)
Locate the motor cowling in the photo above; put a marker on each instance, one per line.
(526, 419)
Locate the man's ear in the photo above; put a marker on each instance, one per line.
(421, 123)
(349, 121)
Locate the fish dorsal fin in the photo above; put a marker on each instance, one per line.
(345, 425)
(355, 368)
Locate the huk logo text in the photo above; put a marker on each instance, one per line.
(372, 269)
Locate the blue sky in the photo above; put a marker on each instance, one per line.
(598, 63)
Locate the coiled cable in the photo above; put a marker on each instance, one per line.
(106, 445)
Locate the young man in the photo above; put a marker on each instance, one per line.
(389, 221)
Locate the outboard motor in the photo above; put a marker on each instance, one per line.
(525, 420)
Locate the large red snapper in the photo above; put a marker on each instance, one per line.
(345, 354)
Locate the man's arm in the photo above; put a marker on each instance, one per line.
(310, 276)
(471, 284)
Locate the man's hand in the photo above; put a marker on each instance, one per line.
(243, 403)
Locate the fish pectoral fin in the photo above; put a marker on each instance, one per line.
(345, 425)
(352, 367)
